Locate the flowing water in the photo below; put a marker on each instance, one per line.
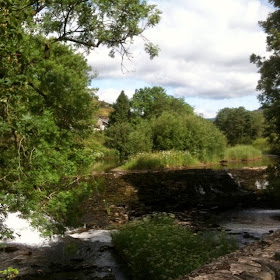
(80, 254)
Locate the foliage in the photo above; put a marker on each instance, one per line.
(162, 159)
(129, 138)
(118, 138)
(152, 102)
(204, 140)
(188, 133)
(156, 248)
(141, 138)
(240, 125)
(273, 188)
(46, 108)
(269, 69)
(262, 144)
(121, 111)
(9, 273)
(242, 152)
(168, 131)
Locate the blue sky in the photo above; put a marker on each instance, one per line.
(205, 48)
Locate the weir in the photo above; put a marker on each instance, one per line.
(195, 196)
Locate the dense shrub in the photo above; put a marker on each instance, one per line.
(262, 144)
(189, 133)
(155, 248)
(204, 140)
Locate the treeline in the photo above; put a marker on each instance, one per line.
(241, 126)
(154, 121)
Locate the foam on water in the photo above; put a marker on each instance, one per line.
(24, 233)
(94, 235)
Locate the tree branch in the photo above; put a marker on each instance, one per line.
(39, 91)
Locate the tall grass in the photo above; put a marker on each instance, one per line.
(162, 159)
(242, 152)
(155, 248)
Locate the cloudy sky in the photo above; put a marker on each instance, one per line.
(204, 58)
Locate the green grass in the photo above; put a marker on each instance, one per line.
(155, 248)
(162, 159)
(242, 152)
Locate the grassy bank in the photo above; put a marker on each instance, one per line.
(156, 248)
(242, 152)
(169, 159)
(162, 159)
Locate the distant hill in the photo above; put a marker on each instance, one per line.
(104, 109)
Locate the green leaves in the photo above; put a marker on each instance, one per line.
(240, 125)
(46, 109)
(269, 68)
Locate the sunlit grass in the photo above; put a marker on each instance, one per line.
(162, 159)
(242, 152)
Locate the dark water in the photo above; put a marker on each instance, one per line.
(104, 166)
(266, 160)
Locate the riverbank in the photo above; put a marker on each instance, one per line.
(184, 159)
(257, 261)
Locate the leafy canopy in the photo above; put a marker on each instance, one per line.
(160, 122)
(121, 108)
(152, 102)
(240, 125)
(269, 69)
(45, 106)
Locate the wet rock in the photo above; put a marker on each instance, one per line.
(69, 258)
(258, 261)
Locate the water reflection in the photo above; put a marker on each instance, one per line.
(249, 224)
(266, 160)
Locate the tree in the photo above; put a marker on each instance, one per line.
(121, 111)
(239, 125)
(152, 102)
(188, 133)
(45, 106)
(118, 138)
(269, 69)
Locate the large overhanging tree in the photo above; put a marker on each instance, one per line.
(269, 68)
(45, 105)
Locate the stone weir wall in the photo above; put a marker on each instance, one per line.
(258, 261)
(177, 190)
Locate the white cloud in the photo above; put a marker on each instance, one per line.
(111, 94)
(205, 48)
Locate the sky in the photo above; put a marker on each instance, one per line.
(204, 55)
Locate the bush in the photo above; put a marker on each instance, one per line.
(156, 248)
(262, 144)
(242, 152)
(204, 140)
